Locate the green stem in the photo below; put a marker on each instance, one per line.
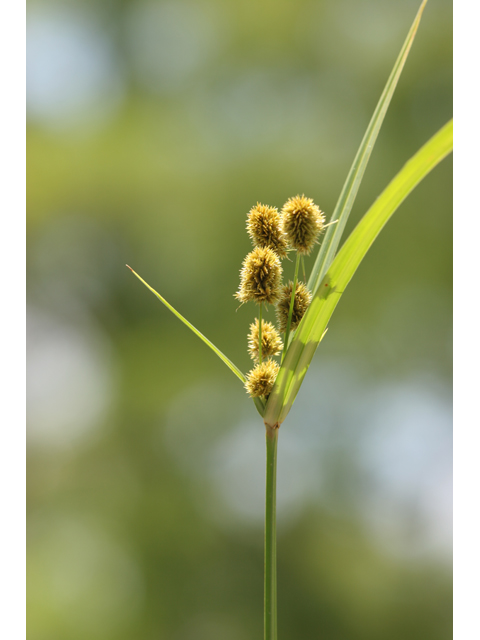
(292, 301)
(260, 334)
(270, 602)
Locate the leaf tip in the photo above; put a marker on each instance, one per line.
(422, 7)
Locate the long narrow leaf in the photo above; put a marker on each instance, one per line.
(314, 323)
(350, 188)
(222, 356)
(259, 402)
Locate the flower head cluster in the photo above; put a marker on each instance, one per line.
(261, 379)
(260, 277)
(302, 223)
(271, 341)
(265, 229)
(302, 300)
(296, 227)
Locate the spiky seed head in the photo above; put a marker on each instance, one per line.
(265, 229)
(303, 297)
(260, 379)
(302, 223)
(271, 341)
(260, 277)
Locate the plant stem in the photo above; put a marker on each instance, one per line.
(260, 334)
(292, 302)
(270, 602)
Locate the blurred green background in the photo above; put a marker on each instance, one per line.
(153, 127)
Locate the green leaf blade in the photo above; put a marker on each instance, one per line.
(349, 191)
(215, 349)
(313, 326)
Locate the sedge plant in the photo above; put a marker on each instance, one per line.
(303, 308)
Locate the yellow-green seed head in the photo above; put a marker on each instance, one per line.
(303, 297)
(260, 379)
(271, 341)
(302, 223)
(265, 229)
(260, 277)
